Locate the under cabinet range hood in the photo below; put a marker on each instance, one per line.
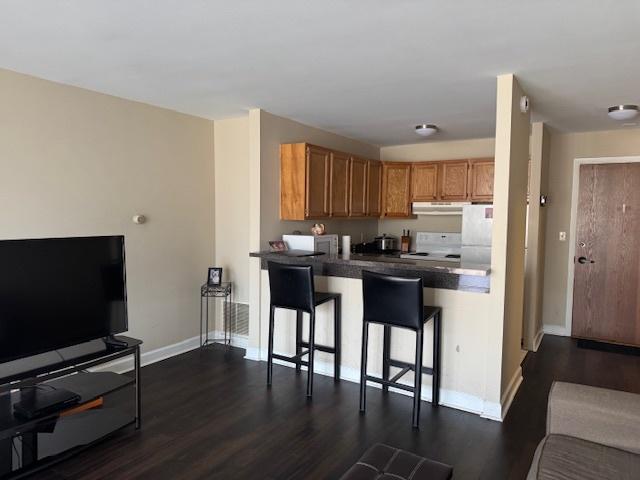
(438, 208)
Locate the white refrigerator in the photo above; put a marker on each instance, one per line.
(477, 225)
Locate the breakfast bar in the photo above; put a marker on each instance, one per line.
(459, 275)
(460, 288)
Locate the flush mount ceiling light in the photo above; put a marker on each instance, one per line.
(426, 130)
(623, 112)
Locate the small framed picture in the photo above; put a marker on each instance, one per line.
(278, 246)
(214, 277)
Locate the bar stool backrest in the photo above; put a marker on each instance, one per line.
(392, 300)
(291, 286)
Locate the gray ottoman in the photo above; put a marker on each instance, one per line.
(382, 462)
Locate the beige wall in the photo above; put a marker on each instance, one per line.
(564, 149)
(508, 239)
(427, 151)
(232, 203)
(534, 271)
(275, 130)
(75, 162)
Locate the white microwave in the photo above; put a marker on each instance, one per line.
(313, 243)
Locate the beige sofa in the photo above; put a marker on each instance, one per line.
(592, 433)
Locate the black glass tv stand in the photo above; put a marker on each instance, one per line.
(28, 445)
(115, 342)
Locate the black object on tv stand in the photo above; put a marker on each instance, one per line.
(30, 445)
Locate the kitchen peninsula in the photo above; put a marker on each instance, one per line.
(459, 275)
(460, 288)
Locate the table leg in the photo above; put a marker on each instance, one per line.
(136, 366)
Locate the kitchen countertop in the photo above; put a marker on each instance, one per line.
(372, 259)
(459, 275)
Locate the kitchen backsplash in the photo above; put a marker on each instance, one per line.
(368, 229)
(424, 223)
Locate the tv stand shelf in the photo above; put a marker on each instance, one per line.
(30, 445)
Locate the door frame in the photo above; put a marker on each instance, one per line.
(577, 162)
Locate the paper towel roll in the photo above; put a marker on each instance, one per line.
(346, 243)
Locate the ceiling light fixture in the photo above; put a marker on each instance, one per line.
(623, 112)
(426, 130)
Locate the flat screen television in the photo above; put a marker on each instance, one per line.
(58, 292)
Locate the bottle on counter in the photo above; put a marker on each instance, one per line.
(405, 241)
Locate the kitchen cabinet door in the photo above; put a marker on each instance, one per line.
(339, 185)
(424, 182)
(317, 182)
(454, 180)
(481, 172)
(357, 187)
(374, 188)
(396, 187)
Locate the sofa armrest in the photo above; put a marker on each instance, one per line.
(599, 415)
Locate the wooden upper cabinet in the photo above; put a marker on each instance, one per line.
(396, 189)
(481, 171)
(304, 181)
(317, 182)
(357, 187)
(424, 182)
(339, 185)
(374, 188)
(454, 180)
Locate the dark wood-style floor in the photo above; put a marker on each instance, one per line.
(209, 415)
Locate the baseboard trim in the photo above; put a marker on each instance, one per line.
(538, 340)
(448, 398)
(152, 356)
(510, 392)
(253, 354)
(556, 330)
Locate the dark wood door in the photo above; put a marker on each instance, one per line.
(606, 294)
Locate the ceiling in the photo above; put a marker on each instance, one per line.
(369, 70)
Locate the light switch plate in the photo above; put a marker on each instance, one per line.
(562, 236)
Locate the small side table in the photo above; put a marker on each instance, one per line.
(215, 291)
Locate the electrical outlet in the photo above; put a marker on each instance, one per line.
(562, 237)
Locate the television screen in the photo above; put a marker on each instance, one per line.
(59, 292)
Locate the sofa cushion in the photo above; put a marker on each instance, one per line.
(382, 462)
(565, 458)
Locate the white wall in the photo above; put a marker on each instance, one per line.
(232, 203)
(75, 162)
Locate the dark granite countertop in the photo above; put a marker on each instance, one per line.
(448, 275)
(391, 260)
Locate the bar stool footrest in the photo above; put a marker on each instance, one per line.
(410, 366)
(389, 383)
(297, 359)
(320, 348)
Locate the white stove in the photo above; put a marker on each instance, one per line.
(436, 246)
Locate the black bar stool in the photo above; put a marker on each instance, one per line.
(292, 288)
(398, 302)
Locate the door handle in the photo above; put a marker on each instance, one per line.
(584, 260)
